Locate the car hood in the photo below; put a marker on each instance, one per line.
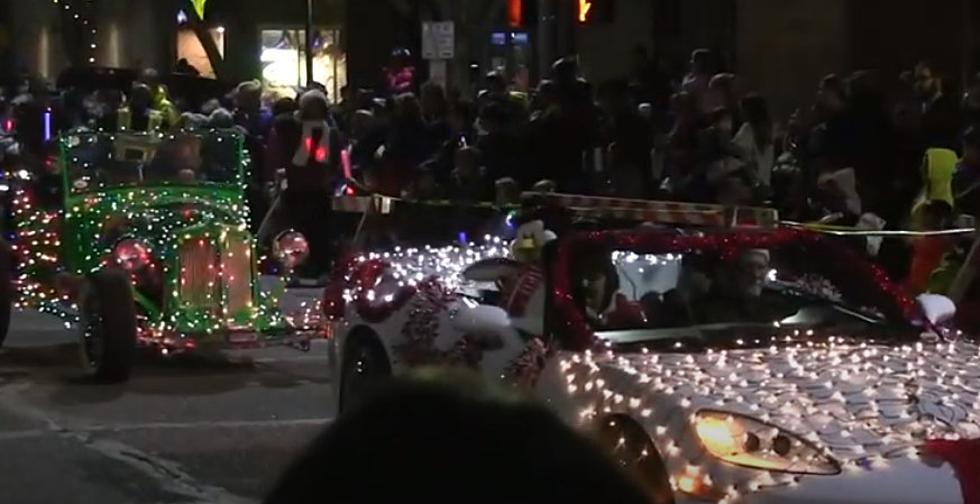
(857, 400)
(154, 218)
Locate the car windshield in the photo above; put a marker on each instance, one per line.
(642, 298)
(97, 161)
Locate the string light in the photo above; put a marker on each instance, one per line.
(84, 17)
(862, 403)
(170, 224)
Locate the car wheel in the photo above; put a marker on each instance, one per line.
(6, 288)
(108, 327)
(364, 365)
(632, 448)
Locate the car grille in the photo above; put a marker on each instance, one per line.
(198, 274)
(236, 267)
(216, 278)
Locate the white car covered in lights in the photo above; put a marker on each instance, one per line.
(737, 366)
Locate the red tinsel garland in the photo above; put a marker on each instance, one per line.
(839, 264)
(964, 456)
(361, 276)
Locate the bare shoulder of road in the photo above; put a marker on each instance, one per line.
(215, 429)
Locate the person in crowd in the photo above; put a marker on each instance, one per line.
(396, 445)
(407, 145)
(631, 140)
(966, 179)
(249, 112)
(682, 145)
(520, 83)
(722, 92)
(719, 156)
(308, 147)
(137, 113)
(834, 126)
(928, 252)
(698, 78)
(159, 97)
(755, 139)
(469, 182)
(184, 67)
(400, 73)
(435, 113)
(343, 111)
(941, 119)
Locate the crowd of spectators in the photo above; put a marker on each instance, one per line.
(856, 155)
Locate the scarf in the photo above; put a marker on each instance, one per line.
(306, 149)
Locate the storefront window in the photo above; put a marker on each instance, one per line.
(284, 59)
(190, 49)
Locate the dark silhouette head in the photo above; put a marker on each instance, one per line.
(445, 437)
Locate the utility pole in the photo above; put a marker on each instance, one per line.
(309, 43)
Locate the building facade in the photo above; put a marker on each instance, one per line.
(780, 48)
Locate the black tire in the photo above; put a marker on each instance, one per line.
(108, 327)
(365, 365)
(6, 288)
(631, 448)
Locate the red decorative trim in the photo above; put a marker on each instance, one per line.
(360, 276)
(964, 456)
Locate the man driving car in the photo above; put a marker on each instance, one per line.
(738, 292)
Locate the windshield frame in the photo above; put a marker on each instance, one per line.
(65, 152)
(565, 322)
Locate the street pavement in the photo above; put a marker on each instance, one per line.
(216, 429)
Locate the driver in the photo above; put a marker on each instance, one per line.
(737, 294)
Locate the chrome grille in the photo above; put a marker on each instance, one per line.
(198, 273)
(236, 267)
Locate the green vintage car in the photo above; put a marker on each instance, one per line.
(146, 243)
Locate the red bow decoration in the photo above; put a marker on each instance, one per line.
(964, 456)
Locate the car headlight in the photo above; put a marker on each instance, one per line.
(745, 441)
(132, 255)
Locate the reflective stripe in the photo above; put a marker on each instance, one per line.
(124, 120)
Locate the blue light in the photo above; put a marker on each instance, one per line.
(463, 238)
(47, 125)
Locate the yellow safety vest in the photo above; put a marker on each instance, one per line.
(125, 120)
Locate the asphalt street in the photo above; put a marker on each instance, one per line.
(216, 429)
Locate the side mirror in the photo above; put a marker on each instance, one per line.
(481, 319)
(936, 309)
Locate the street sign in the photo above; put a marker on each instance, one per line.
(438, 40)
(438, 72)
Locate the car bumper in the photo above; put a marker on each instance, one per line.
(903, 481)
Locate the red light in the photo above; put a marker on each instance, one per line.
(132, 255)
(515, 13)
(9, 125)
(321, 155)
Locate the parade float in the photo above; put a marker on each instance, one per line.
(141, 240)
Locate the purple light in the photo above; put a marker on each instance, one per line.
(47, 125)
(462, 237)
